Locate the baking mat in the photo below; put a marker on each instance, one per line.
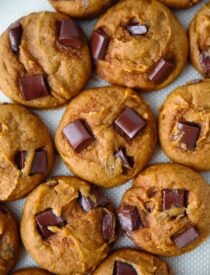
(194, 263)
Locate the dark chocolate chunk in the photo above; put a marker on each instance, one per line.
(101, 198)
(161, 71)
(33, 87)
(48, 218)
(39, 164)
(70, 34)
(78, 135)
(20, 159)
(122, 268)
(190, 132)
(99, 44)
(205, 62)
(129, 218)
(173, 198)
(136, 29)
(129, 124)
(126, 160)
(15, 34)
(108, 226)
(186, 237)
(86, 203)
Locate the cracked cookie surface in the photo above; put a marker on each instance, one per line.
(180, 4)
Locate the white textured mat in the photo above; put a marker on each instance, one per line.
(194, 263)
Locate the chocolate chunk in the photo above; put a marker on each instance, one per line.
(136, 29)
(205, 62)
(78, 135)
(20, 159)
(191, 132)
(39, 164)
(108, 226)
(186, 237)
(126, 160)
(48, 218)
(173, 198)
(122, 268)
(129, 218)
(129, 124)
(101, 198)
(15, 34)
(70, 34)
(86, 203)
(161, 71)
(99, 44)
(33, 87)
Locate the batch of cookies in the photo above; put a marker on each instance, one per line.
(106, 137)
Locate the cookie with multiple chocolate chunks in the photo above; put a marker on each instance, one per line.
(54, 222)
(184, 125)
(172, 203)
(9, 245)
(31, 271)
(106, 136)
(180, 4)
(130, 50)
(128, 261)
(44, 67)
(26, 151)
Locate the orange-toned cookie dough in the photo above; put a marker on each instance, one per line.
(31, 271)
(180, 4)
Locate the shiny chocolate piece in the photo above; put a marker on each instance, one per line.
(173, 198)
(48, 218)
(101, 198)
(108, 226)
(78, 135)
(136, 29)
(70, 34)
(129, 124)
(99, 44)
(186, 237)
(20, 159)
(129, 218)
(205, 62)
(86, 203)
(15, 35)
(122, 268)
(126, 160)
(190, 133)
(33, 87)
(161, 71)
(39, 164)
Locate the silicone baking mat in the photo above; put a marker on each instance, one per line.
(194, 263)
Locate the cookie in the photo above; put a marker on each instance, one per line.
(43, 67)
(180, 4)
(167, 211)
(31, 271)
(81, 8)
(67, 225)
(132, 262)
(199, 33)
(9, 245)
(26, 151)
(130, 50)
(184, 125)
(107, 135)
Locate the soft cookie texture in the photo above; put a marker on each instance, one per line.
(130, 50)
(107, 135)
(81, 8)
(26, 151)
(167, 210)
(67, 226)
(31, 271)
(180, 4)
(199, 33)
(132, 262)
(44, 60)
(9, 245)
(184, 121)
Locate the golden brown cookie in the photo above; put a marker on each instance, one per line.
(107, 135)
(44, 60)
(67, 225)
(132, 262)
(9, 244)
(81, 8)
(31, 271)
(199, 33)
(130, 50)
(184, 121)
(26, 151)
(167, 210)
(180, 4)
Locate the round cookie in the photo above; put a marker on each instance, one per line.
(26, 151)
(167, 211)
(199, 33)
(81, 8)
(43, 67)
(9, 245)
(67, 225)
(107, 135)
(129, 49)
(184, 125)
(180, 4)
(31, 271)
(132, 262)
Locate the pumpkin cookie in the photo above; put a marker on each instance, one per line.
(180, 4)
(31, 271)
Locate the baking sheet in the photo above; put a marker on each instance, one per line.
(194, 263)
